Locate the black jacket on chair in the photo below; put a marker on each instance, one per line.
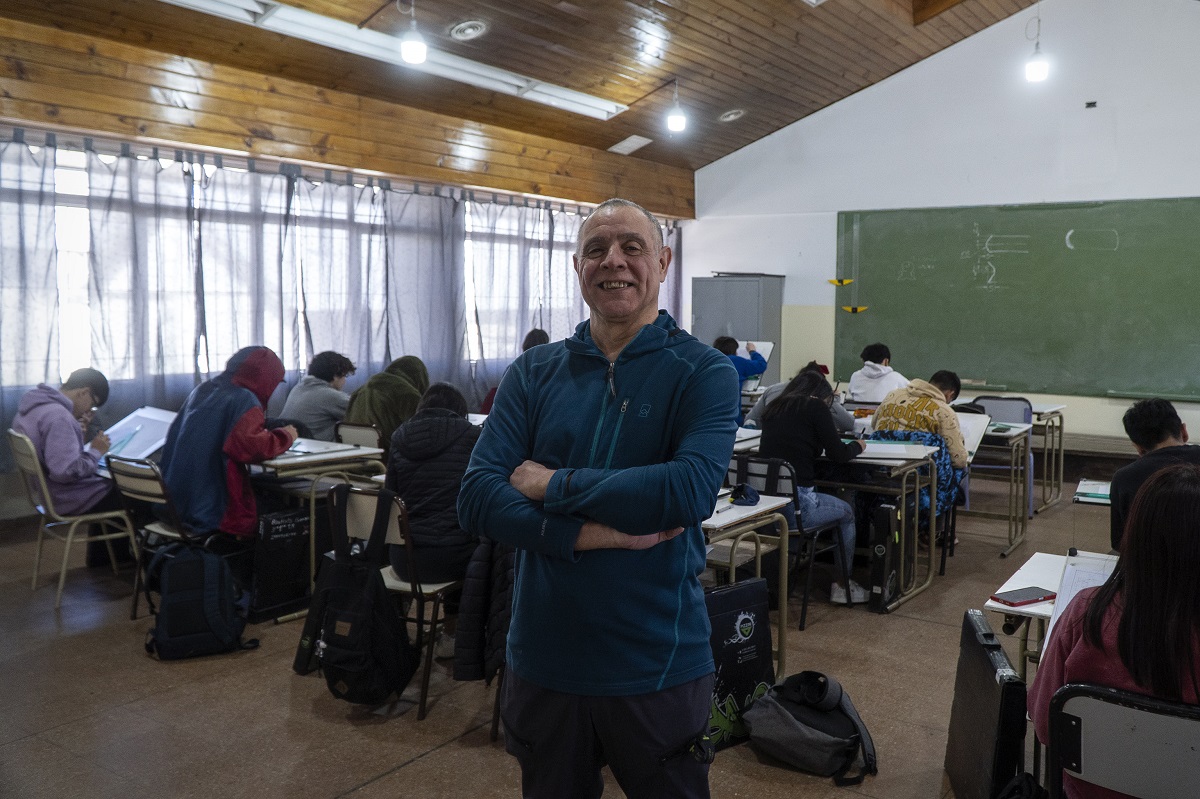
(484, 612)
(428, 456)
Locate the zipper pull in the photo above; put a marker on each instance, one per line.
(612, 383)
(624, 405)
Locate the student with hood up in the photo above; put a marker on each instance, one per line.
(390, 398)
(219, 431)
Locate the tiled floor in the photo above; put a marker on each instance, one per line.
(87, 714)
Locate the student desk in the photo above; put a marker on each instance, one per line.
(900, 476)
(1015, 439)
(738, 523)
(747, 439)
(1048, 428)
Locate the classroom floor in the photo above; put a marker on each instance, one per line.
(88, 714)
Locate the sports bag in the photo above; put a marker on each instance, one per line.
(200, 612)
(809, 722)
(362, 646)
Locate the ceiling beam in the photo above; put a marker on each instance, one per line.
(925, 10)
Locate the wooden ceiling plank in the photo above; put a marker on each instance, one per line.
(925, 10)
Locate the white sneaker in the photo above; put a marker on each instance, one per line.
(443, 648)
(858, 594)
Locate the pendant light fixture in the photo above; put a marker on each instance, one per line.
(676, 119)
(412, 44)
(1037, 68)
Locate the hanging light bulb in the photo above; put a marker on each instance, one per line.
(412, 44)
(676, 119)
(1037, 68)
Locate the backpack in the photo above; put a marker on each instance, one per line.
(809, 722)
(359, 638)
(200, 610)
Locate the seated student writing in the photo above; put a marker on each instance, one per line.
(843, 420)
(218, 432)
(753, 366)
(388, 399)
(925, 406)
(797, 427)
(876, 379)
(53, 419)
(1140, 630)
(318, 401)
(1160, 437)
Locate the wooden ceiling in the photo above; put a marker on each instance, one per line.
(778, 60)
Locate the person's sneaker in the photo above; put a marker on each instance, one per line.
(858, 594)
(443, 648)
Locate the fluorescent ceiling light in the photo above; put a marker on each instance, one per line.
(814, 3)
(379, 46)
(627, 146)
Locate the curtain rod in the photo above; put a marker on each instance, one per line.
(116, 146)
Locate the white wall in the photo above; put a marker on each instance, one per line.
(964, 128)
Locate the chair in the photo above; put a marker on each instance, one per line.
(776, 477)
(1010, 410)
(360, 516)
(1126, 742)
(115, 521)
(360, 435)
(141, 480)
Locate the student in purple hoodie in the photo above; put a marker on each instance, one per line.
(54, 419)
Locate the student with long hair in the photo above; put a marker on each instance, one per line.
(798, 428)
(1140, 630)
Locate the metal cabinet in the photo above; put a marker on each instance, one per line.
(747, 307)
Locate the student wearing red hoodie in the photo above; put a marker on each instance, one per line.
(220, 430)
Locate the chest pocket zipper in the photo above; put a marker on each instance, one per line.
(616, 434)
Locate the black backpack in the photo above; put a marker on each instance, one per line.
(200, 610)
(809, 722)
(359, 638)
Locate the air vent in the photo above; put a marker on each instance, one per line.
(466, 31)
(732, 114)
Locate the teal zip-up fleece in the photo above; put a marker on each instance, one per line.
(641, 444)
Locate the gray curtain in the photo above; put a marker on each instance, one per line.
(155, 267)
(28, 277)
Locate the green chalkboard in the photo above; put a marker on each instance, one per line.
(1093, 299)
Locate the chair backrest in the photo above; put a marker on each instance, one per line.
(774, 477)
(360, 518)
(362, 435)
(26, 457)
(141, 480)
(1126, 742)
(1006, 410)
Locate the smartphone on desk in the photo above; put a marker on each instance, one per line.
(1024, 596)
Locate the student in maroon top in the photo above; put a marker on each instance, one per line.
(1140, 631)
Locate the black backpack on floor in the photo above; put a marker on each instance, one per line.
(201, 610)
(354, 630)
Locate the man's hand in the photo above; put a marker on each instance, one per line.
(594, 535)
(291, 431)
(100, 443)
(750, 346)
(531, 479)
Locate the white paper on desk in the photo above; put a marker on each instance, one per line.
(894, 450)
(973, 426)
(313, 446)
(1085, 570)
(1093, 489)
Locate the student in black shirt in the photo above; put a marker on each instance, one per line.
(797, 427)
(1160, 437)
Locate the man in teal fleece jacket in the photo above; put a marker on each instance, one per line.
(601, 457)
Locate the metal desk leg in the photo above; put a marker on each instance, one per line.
(1050, 426)
(1018, 498)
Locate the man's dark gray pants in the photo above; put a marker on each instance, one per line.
(563, 740)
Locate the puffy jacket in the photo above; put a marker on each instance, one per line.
(428, 456)
(484, 611)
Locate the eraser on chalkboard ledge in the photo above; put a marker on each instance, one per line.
(854, 308)
(841, 281)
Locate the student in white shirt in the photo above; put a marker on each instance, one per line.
(877, 378)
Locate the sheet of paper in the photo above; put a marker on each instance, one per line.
(765, 348)
(1084, 570)
(139, 435)
(895, 450)
(1095, 489)
(973, 426)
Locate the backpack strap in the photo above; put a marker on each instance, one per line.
(825, 693)
(153, 567)
(338, 497)
(384, 507)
